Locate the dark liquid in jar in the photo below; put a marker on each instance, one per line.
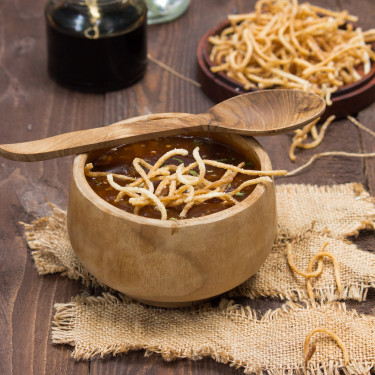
(119, 160)
(114, 60)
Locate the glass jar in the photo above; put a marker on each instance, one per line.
(160, 11)
(96, 45)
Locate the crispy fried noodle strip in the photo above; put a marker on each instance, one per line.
(310, 273)
(179, 185)
(310, 352)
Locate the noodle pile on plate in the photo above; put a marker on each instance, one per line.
(167, 185)
(286, 45)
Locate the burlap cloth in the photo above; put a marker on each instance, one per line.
(308, 216)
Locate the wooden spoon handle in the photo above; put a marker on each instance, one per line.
(132, 130)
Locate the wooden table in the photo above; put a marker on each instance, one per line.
(32, 107)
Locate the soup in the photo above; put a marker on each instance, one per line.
(162, 167)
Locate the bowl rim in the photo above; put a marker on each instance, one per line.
(85, 189)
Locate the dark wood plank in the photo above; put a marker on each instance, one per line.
(340, 136)
(27, 299)
(365, 12)
(32, 106)
(174, 44)
(367, 118)
(137, 363)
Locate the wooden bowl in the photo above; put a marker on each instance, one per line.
(348, 99)
(173, 263)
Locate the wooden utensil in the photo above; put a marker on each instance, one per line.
(258, 113)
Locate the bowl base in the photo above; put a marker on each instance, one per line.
(171, 304)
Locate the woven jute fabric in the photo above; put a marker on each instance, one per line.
(308, 217)
(342, 210)
(275, 278)
(232, 334)
(52, 252)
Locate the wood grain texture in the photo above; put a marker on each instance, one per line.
(264, 113)
(367, 118)
(267, 112)
(173, 263)
(32, 107)
(131, 130)
(330, 169)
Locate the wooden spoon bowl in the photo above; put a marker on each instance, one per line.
(173, 263)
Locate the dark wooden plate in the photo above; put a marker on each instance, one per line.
(348, 99)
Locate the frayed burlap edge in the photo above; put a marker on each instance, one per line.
(65, 319)
(356, 187)
(354, 190)
(66, 316)
(356, 292)
(46, 254)
(49, 258)
(353, 290)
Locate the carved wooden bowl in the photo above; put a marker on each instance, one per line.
(173, 263)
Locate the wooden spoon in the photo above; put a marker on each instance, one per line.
(257, 113)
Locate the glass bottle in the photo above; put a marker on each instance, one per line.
(161, 11)
(96, 45)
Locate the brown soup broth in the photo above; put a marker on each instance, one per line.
(119, 160)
